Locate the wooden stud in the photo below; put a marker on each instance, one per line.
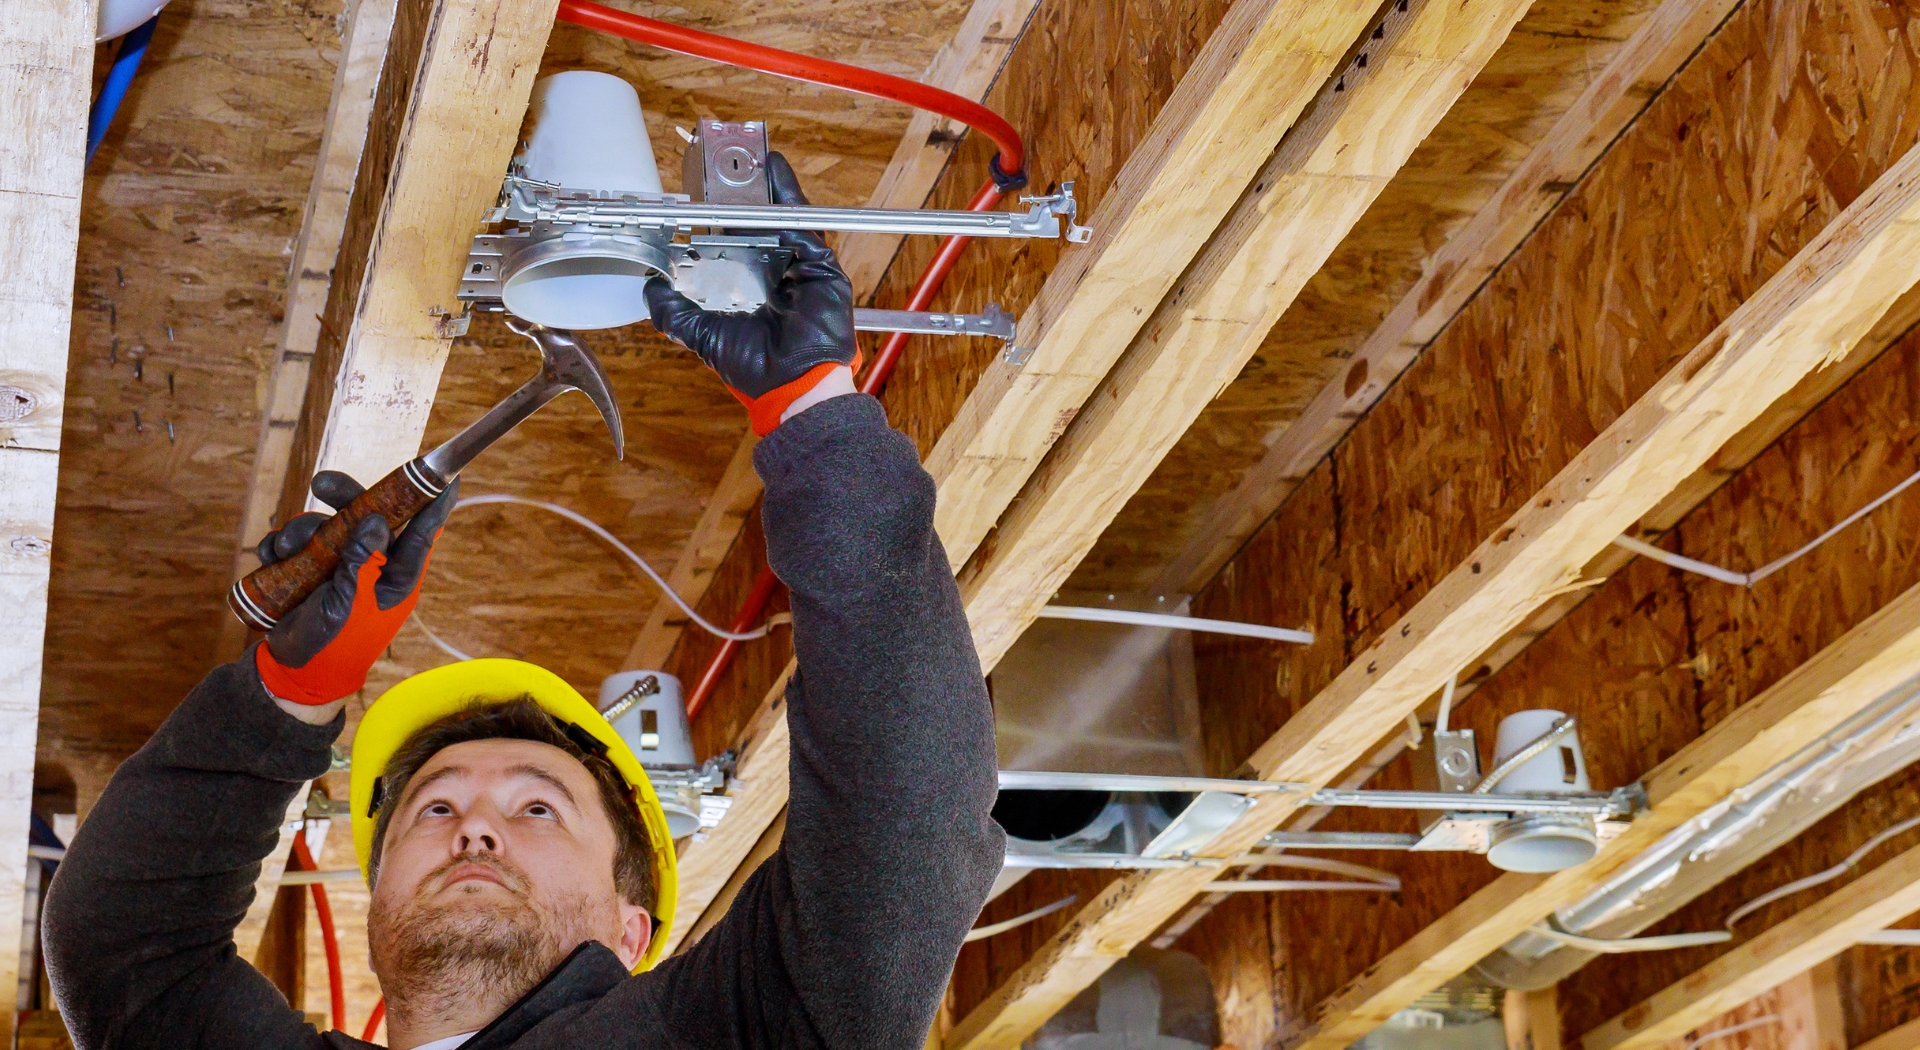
(46, 69)
(1258, 70)
(966, 66)
(308, 277)
(1812, 1016)
(1811, 314)
(1812, 936)
(1341, 153)
(446, 115)
(1905, 1037)
(1532, 1020)
(1450, 277)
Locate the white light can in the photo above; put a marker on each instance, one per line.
(1541, 842)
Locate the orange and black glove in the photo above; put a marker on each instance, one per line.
(770, 357)
(321, 651)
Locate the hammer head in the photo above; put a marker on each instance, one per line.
(566, 364)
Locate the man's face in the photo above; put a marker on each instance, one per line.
(497, 863)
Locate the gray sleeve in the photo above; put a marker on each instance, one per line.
(140, 917)
(845, 938)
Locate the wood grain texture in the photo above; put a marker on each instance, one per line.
(323, 222)
(1347, 144)
(46, 57)
(1885, 895)
(1259, 68)
(1449, 277)
(1812, 311)
(1532, 1020)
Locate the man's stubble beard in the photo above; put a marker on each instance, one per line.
(441, 959)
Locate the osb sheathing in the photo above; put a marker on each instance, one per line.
(1548, 59)
(1780, 122)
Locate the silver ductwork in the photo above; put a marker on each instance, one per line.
(1875, 743)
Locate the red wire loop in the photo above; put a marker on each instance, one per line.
(813, 70)
(373, 1020)
(322, 910)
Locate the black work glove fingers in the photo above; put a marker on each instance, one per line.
(335, 489)
(407, 555)
(314, 623)
(784, 187)
(289, 539)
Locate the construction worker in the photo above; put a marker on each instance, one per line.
(518, 863)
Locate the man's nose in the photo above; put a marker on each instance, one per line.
(478, 833)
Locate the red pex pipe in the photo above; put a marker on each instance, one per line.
(373, 1020)
(822, 71)
(324, 912)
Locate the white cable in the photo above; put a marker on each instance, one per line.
(1624, 945)
(1327, 864)
(1828, 875)
(1294, 885)
(1748, 579)
(981, 933)
(1446, 705)
(613, 541)
(1178, 623)
(1722, 1033)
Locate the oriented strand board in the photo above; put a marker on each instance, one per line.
(1520, 382)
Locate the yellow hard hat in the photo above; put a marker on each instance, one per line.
(432, 695)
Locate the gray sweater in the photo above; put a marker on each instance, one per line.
(843, 939)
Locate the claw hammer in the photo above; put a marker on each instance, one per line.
(266, 594)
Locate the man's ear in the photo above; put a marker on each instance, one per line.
(636, 932)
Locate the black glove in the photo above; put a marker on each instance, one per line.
(322, 650)
(770, 357)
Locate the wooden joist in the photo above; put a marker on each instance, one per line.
(46, 68)
(1360, 128)
(1258, 70)
(1812, 936)
(1449, 279)
(1809, 315)
(1846, 676)
(362, 53)
(446, 115)
(966, 66)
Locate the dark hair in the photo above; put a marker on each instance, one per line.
(523, 719)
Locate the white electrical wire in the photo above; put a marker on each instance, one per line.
(613, 541)
(1178, 623)
(1748, 579)
(1446, 705)
(1293, 885)
(981, 933)
(1722, 1033)
(1386, 880)
(1828, 875)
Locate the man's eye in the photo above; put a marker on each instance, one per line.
(540, 809)
(437, 809)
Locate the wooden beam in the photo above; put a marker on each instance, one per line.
(1905, 1037)
(1450, 277)
(723, 901)
(446, 115)
(1812, 1015)
(967, 65)
(1348, 143)
(46, 70)
(1812, 313)
(1815, 934)
(309, 276)
(1532, 1020)
(1875, 657)
(1258, 70)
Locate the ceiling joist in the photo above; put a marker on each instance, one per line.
(1808, 316)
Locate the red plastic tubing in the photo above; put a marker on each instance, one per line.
(324, 912)
(822, 71)
(1010, 165)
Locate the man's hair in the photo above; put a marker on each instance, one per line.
(523, 719)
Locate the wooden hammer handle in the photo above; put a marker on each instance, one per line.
(270, 592)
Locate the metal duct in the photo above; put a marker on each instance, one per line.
(1880, 740)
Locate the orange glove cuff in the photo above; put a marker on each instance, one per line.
(340, 669)
(764, 412)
